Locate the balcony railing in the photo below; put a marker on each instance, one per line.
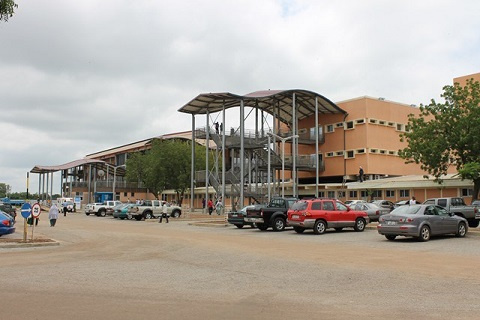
(108, 185)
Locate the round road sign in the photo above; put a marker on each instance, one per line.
(36, 210)
(26, 210)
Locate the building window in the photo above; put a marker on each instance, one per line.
(125, 194)
(391, 124)
(400, 127)
(329, 154)
(360, 121)
(339, 125)
(390, 193)
(382, 151)
(381, 122)
(364, 194)
(330, 128)
(373, 151)
(467, 192)
(132, 194)
(349, 125)
(377, 194)
(360, 151)
(331, 194)
(339, 153)
(373, 121)
(321, 194)
(350, 154)
(392, 153)
(341, 194)
(353, 194)
(404, 193)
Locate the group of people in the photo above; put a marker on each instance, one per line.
(218, 205)
(218, 127)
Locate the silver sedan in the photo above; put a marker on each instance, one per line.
(374, 211)
(421, 221)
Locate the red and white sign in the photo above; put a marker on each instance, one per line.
(36, 210)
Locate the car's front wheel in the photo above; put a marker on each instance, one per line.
(461, 230)
(176, 214)
(239, 226)
(129, 216)
(319, 227)
(148, 215)
(102, 213)
(359, 225)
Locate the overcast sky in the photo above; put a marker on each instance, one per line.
(79, 77)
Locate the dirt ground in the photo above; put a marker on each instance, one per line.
(106, 268)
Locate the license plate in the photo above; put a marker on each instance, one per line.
(391, 223)
(234, 215)
(295, 216)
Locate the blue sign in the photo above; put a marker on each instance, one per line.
(26, 210)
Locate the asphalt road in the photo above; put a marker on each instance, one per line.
(111, 269)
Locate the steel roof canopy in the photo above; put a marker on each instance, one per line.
(266, 100)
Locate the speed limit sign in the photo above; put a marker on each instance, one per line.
(36, 210)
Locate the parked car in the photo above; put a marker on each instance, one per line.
(273, 215)
(421, 221)
(350, 203)
(400, 203)
(476, 203)
(384, 204)
(7, 224)
(321, 214)
(371, 209)
(237, 217)
(459, 208)
(8, 208)
(123, 211)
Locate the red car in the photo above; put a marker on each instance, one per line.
(322, 214)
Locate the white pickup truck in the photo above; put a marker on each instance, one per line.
(150, 209)
(100, 209)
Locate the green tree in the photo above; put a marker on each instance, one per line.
(447, 134)
(4, 190)
(166, 165)
(7, 9)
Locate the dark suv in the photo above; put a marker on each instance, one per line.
(7, 207)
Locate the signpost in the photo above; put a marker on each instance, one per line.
(36, 210)
(26, 211)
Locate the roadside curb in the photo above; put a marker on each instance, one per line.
(211, 224)
(18, 243)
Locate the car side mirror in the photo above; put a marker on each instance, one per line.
(451, 214)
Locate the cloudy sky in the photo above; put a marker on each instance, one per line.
(78, 77)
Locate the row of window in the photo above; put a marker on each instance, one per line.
(349, 125)
(349, 154)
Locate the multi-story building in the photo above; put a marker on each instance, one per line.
(362, 132)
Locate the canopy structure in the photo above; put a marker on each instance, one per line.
(278, 102)
(73, 164)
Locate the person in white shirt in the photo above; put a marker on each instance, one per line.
(413, 201)
(164, 212)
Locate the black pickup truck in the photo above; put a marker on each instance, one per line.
(273, 215)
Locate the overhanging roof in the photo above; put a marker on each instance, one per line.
(267, 100)
(66, 166)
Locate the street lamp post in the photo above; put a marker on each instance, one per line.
(283, 156)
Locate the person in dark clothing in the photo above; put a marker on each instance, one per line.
(64, 209)
(360, 174)
(216, 127)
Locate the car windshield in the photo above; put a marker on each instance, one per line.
(407, 210)
(299, 205)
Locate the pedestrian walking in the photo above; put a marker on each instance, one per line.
(53, 215)
(203, 203)
(164, 212)
(210, 206)
(360, 174)
(64, 209)
(218, 206)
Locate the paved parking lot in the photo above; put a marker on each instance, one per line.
(112, 269)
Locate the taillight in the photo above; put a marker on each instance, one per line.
(6, 223)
